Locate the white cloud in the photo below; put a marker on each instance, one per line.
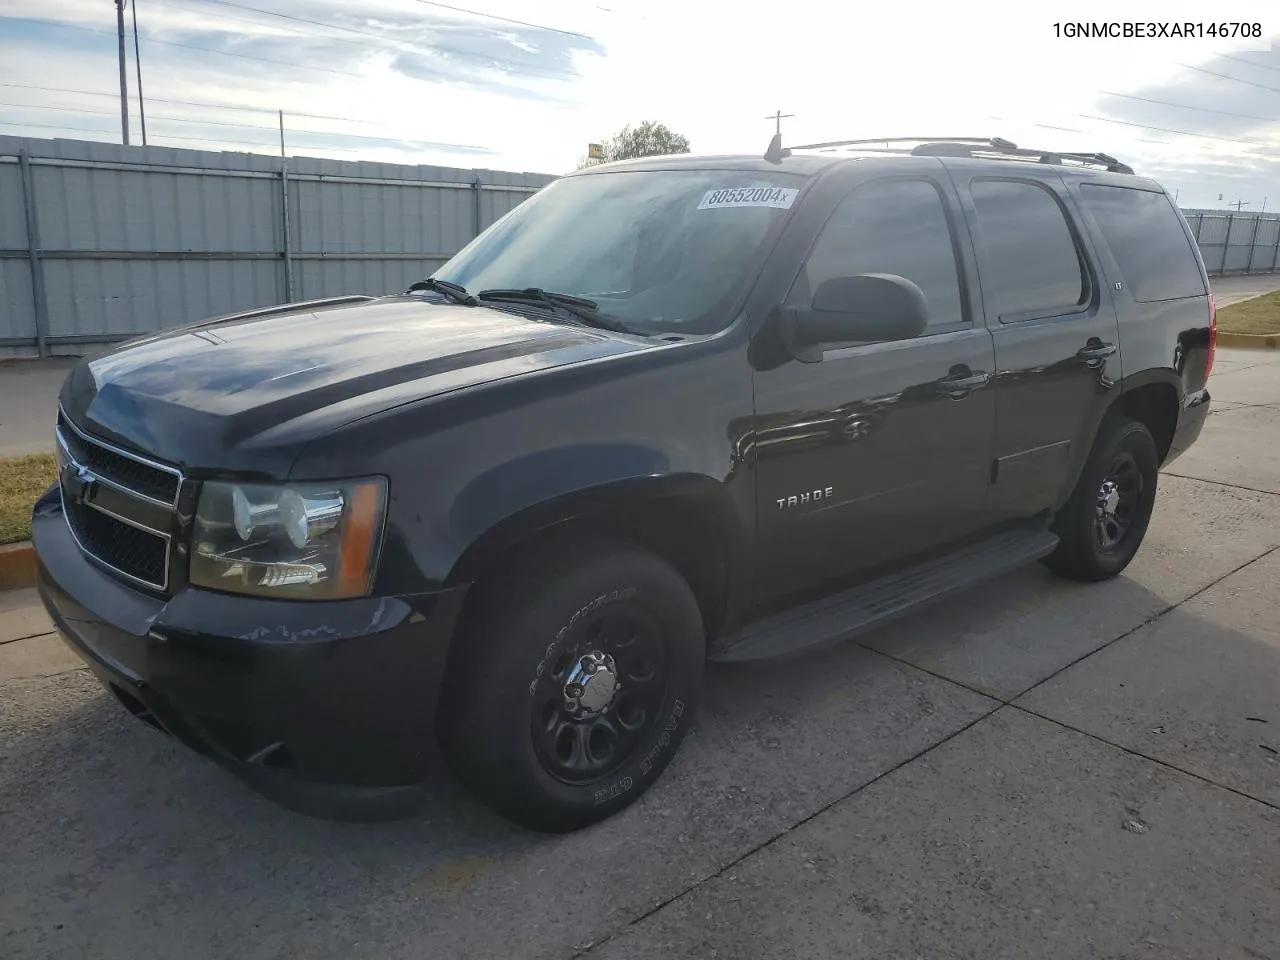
(711, 71)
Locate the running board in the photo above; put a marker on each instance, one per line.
(839, 617)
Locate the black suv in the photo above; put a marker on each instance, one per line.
(665, 411)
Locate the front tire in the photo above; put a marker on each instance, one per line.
(1103, 524)
(573, 683)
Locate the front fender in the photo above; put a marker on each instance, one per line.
(557, 487)
(475, 470)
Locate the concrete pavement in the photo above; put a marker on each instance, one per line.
(1229, 290)
(1037, 769)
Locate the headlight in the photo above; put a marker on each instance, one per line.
(316, 541)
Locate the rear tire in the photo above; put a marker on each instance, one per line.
(1102, 526)
(572, 683)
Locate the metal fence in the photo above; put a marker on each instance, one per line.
(101, 242)
(1236, 243)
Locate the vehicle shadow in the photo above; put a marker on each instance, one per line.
(119, 841)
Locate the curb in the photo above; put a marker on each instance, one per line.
(17, 566)
(1250, 341)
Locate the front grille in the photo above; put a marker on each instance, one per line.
(138, 553)
(150, 481)
(119, 506)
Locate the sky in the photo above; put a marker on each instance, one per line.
(525, 86)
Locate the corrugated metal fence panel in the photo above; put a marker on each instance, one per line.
(135, 239)
(1268, 233)
(87, 209)
(332, 278)
(13, 220)
(334, 217)
(17, 308)
(17, 305)
(89, 298)
(1253, 240)
(1212, 229)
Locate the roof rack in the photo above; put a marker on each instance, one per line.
(995, 148)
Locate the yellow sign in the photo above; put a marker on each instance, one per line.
(595, 151)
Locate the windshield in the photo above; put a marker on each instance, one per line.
(667, 251)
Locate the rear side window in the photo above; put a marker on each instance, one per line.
(1145, 236)
(1032, 265)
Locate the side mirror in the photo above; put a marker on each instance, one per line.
(867, 308)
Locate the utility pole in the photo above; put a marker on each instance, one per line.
(137, 62)
(1238, 204)
(124, 86)
(286, 251)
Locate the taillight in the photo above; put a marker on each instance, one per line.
(1213, 337)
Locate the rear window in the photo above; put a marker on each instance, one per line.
(1145, 236)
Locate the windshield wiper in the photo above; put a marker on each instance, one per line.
(452, 291)
(580, 307)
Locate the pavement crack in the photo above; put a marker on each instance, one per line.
(765, 844)
(30, 636)
(1220, 483)
(1145, 623)
(1146, 756)
(971, 688)
(1248, 366)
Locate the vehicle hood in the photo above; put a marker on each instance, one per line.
(246, 392)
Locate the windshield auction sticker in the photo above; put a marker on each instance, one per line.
(780, 197)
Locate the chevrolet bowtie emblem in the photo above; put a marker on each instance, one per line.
(79, 484)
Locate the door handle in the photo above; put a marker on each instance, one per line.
(962, 383)
(1095, 352)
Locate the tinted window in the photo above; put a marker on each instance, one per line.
(1146, 238)
(1032, 265)
(660, 250)
(892, 227)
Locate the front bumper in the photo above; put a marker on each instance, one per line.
(1191, 419)
(325, 707)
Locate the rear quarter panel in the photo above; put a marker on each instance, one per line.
(1161, 341)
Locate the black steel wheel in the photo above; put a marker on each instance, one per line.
(1102, 525)
(1119, 502)
(572, 683)
(602, 695)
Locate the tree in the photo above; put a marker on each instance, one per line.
(648, 139)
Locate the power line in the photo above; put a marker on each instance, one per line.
(1187, 106)
(166, 136)
(1184, 133)
(185, 103)
(208, 123)
(1260, 66)
(384, 43)
(494, 16)
(1224, 76)
(255, 126)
